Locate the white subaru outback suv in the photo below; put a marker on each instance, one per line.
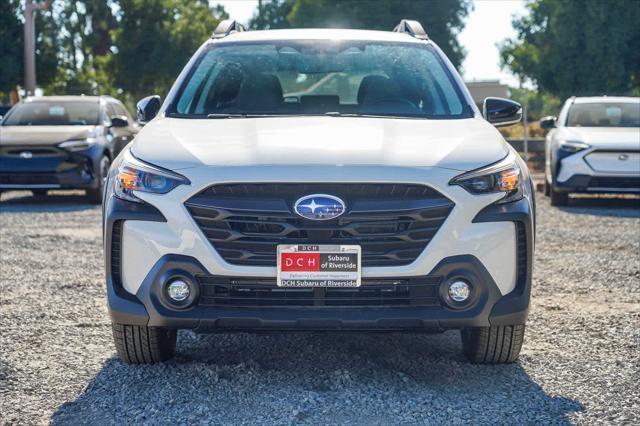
(319, 180)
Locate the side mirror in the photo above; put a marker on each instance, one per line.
(147, 108)
(548, 122)
(119, 121)
(501, 112)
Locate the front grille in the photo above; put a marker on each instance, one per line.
(243, 292)
(28, 179)
(35, 151)
(615, 182)
(393, 223)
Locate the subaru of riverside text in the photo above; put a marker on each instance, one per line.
(319, 180)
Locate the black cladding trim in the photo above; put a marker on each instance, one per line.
(124, 307)
(212, 319)
(594, 184)
(513, 307)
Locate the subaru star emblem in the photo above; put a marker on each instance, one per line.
(319, 207)
(26, 154)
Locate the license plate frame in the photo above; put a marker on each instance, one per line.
(319, 266)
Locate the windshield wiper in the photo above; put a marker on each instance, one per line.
(339, 114)
(244, 115)
(326, 114)
(223, 115)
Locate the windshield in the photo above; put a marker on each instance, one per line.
(50, 113)
(318, 77)
(606, 114)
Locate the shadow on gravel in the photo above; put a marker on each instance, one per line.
(25, 202)
(604, 206)
(312, 378)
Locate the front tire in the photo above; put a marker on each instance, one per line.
(493, 345)
(144, 345)
(94, 195)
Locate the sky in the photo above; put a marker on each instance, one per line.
(486, 26)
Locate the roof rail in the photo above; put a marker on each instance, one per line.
(411, 27)
(227, 27)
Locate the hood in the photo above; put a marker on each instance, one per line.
(43, 135)
(603, 137)
(175, 143)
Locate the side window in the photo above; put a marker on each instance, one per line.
(110, 110)
(121, 110)
(564, 113)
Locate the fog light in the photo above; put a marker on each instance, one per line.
(459, 291)
(178, 290)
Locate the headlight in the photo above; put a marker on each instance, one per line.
(502, 177)
(134, 175)
(573, 146)
(77, 145)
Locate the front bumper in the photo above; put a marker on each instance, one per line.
(600, 184)
(48, 167)
(599, 171)
(491, 305)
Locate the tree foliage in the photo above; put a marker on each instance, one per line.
(133, 48)
(128, 48)
(578, 47)
(47, 48)
(539, 104)
(272, 15)
(82, 36)
(10, 45)
(156, 38)
(443, 20)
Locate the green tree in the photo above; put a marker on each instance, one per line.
(82, 45)
(10, 45)
(70, 39)
(127, 48)
(272, 15)
(539, 104)
(442, 19)
(47, 48)
(577, 47)
(155, 39)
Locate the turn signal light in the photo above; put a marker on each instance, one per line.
(509, 180)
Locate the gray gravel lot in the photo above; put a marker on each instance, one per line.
(580, 362)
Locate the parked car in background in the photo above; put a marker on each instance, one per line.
(593, 147)
(390, 203)
(62, 142)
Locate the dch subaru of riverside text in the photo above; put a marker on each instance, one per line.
(319, 180)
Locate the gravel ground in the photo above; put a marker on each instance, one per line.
(580, 362)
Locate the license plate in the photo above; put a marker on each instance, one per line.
(319, 266)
